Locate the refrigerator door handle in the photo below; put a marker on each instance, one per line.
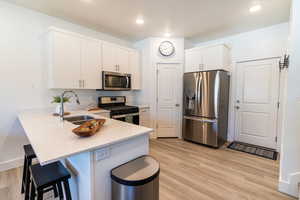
(200, 119)
(197, 94)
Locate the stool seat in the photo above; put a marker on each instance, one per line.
(29, 152)
(49, 174)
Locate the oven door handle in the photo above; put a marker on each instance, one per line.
(124, 115)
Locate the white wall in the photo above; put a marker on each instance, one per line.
(150, 58)
(23, 72)
(262, 43)
(290, 150)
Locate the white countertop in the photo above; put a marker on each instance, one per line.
(52, 139)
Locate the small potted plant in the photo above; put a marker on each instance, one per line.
(57, 100)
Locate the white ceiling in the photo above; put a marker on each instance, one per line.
(197, 20)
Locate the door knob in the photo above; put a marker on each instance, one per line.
(237, 107)
(177, 105)
(238, 101)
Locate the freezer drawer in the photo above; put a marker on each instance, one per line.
(200, 130)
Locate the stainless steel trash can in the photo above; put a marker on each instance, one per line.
(136, 180)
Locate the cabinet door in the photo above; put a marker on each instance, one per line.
(65, 61)
(109, 61)
(193, 61)
(122, 60)
(213, 58)
(145, 117)
(134, 65)
(91, 64)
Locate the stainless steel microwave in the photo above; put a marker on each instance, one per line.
(116, 81)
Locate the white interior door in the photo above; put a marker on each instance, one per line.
(256, 102)
(168, 100)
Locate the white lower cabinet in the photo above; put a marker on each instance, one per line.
(145, 117)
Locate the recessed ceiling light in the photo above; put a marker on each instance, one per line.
(139, 21)
(167, 34)
(255, 8)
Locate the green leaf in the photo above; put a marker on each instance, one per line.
(57, 99)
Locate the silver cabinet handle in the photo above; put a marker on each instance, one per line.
(200, 119)
(80, 83)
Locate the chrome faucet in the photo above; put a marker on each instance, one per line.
(62, 112)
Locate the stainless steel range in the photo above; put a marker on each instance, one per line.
(118, 109)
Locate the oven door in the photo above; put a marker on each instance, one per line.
(116, 81)
(132, 118)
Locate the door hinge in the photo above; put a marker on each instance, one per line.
(276, 139)
(278, 105)
(285, 63)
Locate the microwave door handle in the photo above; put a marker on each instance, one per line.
(127, 85)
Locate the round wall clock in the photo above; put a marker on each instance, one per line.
(166, 48)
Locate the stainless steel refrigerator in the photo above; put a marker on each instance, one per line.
(205, 104)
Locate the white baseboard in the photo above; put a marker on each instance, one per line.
(10, 164)
(290, 187)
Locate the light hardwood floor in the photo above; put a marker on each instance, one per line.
(195, 172)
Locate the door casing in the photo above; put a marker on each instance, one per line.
(277, 99)
(180, 91)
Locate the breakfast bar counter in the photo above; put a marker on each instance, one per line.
(89, 159)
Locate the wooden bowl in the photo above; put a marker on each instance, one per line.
(89, 128)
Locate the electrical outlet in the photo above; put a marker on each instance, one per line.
(102, 154)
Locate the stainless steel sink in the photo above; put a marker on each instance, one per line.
(78, 120)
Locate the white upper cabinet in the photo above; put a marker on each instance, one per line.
(134, 63)
(109, 57)
(122, 60)
(115, 58)
(193, 60)
(91, 64)
(65, 61)
(216, 57)
(76, 61)
(207, 58)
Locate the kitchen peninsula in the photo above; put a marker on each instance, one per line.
(88, 159)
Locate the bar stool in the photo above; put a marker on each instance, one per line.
(29, 156)
(49, 176)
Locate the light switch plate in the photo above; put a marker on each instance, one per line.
(102, 154)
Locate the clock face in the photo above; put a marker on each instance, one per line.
(166, 48)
